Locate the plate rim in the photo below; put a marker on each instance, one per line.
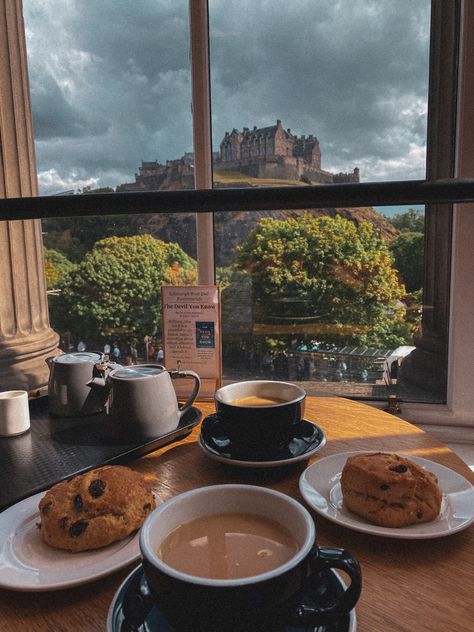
(137, 569)
(29, 505)
(262, 464)
(403, 533)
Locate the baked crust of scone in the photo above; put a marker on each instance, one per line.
(389, 490)
(94, 509)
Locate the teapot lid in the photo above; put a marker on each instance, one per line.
(137, 371)
(80, 356)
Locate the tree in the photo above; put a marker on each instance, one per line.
(117, 287)
(407, 250)
(413, 221)
(57, 267)
(325, 270)
(74, 236)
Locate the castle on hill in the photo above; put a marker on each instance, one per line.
(273, 152)
(266, 152)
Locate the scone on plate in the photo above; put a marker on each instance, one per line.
(94, 509)
(389, 490)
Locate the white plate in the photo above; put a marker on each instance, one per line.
(28, 564)
(321, 488)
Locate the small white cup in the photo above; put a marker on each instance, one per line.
(14, 413)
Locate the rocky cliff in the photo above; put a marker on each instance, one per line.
(232, 228)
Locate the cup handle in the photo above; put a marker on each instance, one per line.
(175, 374)
(322, 559)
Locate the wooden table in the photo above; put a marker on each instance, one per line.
(408, 585)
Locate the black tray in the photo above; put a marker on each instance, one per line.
(57, 448)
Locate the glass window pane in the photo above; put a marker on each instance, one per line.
(104, 276)
(319, 93)
(110, 89)
(351, 74)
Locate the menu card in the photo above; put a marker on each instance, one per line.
(192, 335)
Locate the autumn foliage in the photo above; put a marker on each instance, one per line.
(327, 269)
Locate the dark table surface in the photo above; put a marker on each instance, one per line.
(57, 448)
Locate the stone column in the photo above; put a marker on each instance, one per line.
(26, 339)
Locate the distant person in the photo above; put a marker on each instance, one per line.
(134, 351)
(116, 353)
(341, 373)
(107, 349)
(81, 346)
(160, 355)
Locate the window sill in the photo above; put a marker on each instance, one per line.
(465, 452)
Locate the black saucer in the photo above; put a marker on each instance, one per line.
(307, 439)
(132, 611)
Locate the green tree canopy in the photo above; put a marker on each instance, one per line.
(117, 287)
(74, 236)
(328, 269)
(407, 250)
(413, 221)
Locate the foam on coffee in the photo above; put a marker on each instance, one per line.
(257, 400)
(228, 546)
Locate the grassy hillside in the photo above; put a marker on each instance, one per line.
(239, 179)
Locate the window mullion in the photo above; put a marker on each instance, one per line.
(202, 134)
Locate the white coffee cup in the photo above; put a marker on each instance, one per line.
(14, 413)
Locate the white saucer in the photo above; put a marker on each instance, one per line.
(321, 488)
(28, 564)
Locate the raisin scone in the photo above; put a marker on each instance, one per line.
(94, 509)
(389, 490)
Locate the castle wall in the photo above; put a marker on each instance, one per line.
(269, 152)
(283, 144)
(347, 177)
(280, 168)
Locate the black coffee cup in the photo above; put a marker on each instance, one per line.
(264, 428)
(190, 602)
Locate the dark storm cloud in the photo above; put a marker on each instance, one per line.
(353, 73)
(150, 35)
(120, 88)
(111, 82)
(67, 121)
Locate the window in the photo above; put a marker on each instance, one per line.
(441, 156)
(308, 313)
(111, 114)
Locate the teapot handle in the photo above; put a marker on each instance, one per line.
(197, 385)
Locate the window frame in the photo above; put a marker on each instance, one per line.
(455, 420)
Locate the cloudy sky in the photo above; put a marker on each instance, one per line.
(110, 82)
